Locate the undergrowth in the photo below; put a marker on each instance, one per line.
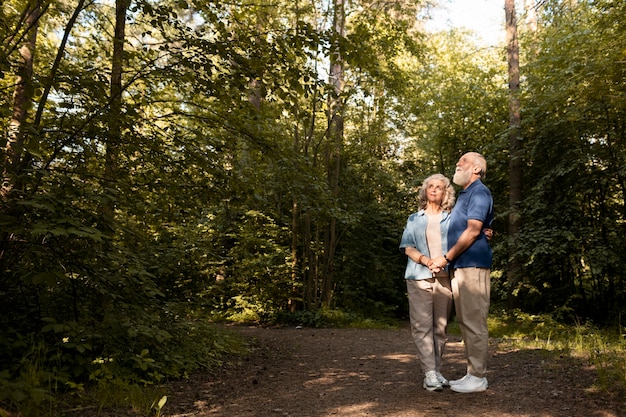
(604, 348)
(73, 377)
(332, 318)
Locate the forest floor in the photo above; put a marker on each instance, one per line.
(303, 372)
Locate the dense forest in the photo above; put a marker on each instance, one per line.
(170, 162)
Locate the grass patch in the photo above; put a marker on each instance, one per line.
(115, 395)
(605, 349)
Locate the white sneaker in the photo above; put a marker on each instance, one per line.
(431, 382)
(469, 383)
(443, 380)
(458, 381)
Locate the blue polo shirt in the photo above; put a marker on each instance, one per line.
(473, 203)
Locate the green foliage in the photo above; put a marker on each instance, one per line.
(574, 143)
(115, 363)
(118, 394)
(371, 272)
(231, 199)
(332, 318)
(519, 325)
(29, 385)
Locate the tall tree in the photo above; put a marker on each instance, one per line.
(15, 157)
(515, 148)
(22, 95)
(335, 144)
(574, 137)
(114, 137)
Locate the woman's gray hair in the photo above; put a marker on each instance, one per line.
(448, 199)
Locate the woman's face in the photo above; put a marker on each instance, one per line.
(434, 191)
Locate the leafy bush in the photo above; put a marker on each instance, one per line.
(331, 318)
(138, 351)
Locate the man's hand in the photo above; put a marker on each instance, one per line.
(467, 238)
(438, 264)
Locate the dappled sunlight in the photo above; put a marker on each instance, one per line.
(400, 357)
(334, 377)
(365, 373)
(368, 357)
(354, 409)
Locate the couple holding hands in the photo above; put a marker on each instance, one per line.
(449, 258)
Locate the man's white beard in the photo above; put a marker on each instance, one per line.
(461, 178)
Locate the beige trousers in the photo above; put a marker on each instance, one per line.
(471, 288)
(430, 304)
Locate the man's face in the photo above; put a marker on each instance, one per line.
(464, 170)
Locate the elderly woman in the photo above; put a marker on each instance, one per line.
(430, 294)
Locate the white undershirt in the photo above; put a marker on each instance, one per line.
(433, 235)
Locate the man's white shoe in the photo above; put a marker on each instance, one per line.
(458, 381)
(431, 382)
(469, 383)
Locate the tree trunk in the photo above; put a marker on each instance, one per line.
(14, 149)
(14, 158)
(515, 149)
(307, 270)
(295, 216)
(114, 138)
(335, 131)
(57, 61)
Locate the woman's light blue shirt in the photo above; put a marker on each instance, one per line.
(414, 235)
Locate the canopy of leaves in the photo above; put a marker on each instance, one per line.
(223, 201)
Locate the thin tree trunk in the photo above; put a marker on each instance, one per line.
(13, 163)
(309, 283)
(515, 148)
(114, 138)
(57, 61)
(335, 129)
(295, 214)
(14, 149)
(294, 253)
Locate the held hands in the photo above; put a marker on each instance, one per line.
(437, 264)
(430, 263)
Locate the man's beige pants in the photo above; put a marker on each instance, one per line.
(471, 288)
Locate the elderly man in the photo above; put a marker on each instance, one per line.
(470, 259)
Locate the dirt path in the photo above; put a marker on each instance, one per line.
(356, 372)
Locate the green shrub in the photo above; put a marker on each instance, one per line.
(331, 318)
(134, 354)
